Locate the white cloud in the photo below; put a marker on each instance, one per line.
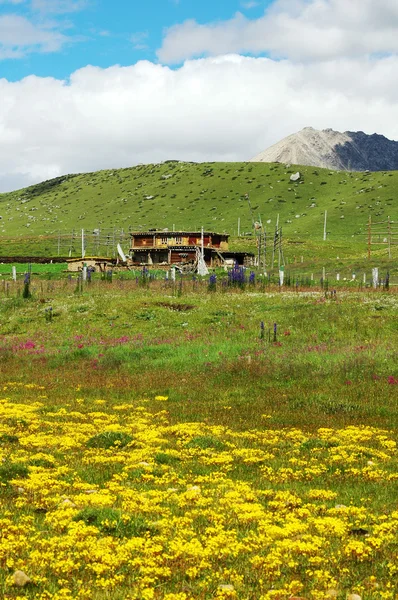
(225, 108)
(295, 29)
(58, 6)
(18, 36)
(250, 4)
(138, 40)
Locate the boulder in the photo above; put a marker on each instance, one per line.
(20, 578)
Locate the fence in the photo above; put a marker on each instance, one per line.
(96, 242)
(382, 233)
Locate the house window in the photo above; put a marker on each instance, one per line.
(178, 240)
(164, 240)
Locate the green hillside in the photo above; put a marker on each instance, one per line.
(212, 195)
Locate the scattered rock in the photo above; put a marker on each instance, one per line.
(358, 531)
(20, 578)
(68, 502)
(226, 587)
(194, 488)
(295, 176)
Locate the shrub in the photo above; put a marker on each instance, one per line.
(26, 287)
(162, 458)
(109, 439)
(111, 522)
(212, 285)
(6, 438)
(9, 471)
(205, 442)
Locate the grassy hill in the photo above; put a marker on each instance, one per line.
(212, 195)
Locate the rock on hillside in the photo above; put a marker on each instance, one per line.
(349, 151)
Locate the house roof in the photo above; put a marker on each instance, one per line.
(139, 249)
(231, 253)
(175, 233)
(97, 258)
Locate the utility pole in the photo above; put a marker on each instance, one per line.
(258, 249)
(369, 235)
(71, 247)
(265, 249)
(389, 238)
(257, 227)
(250, 207)
(83, 248)
(282, 258)
(324, 226)
(275, 240)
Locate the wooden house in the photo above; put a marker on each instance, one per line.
(165, 248)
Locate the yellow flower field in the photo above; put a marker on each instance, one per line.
(116, 501)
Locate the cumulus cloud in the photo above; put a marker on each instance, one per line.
(224, 108)
(295, 29)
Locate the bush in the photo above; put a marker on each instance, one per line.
(9, 471)
(109, 439)
(162, 458)
(111, 522)
(205, 442)
(6, 438)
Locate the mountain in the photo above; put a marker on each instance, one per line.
(348, 151)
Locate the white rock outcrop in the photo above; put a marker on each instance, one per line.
(348, 151)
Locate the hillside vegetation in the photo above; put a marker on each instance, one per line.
(212, 195)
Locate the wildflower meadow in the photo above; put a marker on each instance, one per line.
(195, 440)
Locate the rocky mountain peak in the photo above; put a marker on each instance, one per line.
(348, 151)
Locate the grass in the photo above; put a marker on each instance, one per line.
(212, 353)
(212, 195)
(157, 446)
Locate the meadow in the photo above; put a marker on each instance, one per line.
(183, 441)
(190, 195)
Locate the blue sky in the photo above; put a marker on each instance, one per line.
(104, 32)
(97, 84)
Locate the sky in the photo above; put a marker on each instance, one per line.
(94, 84)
